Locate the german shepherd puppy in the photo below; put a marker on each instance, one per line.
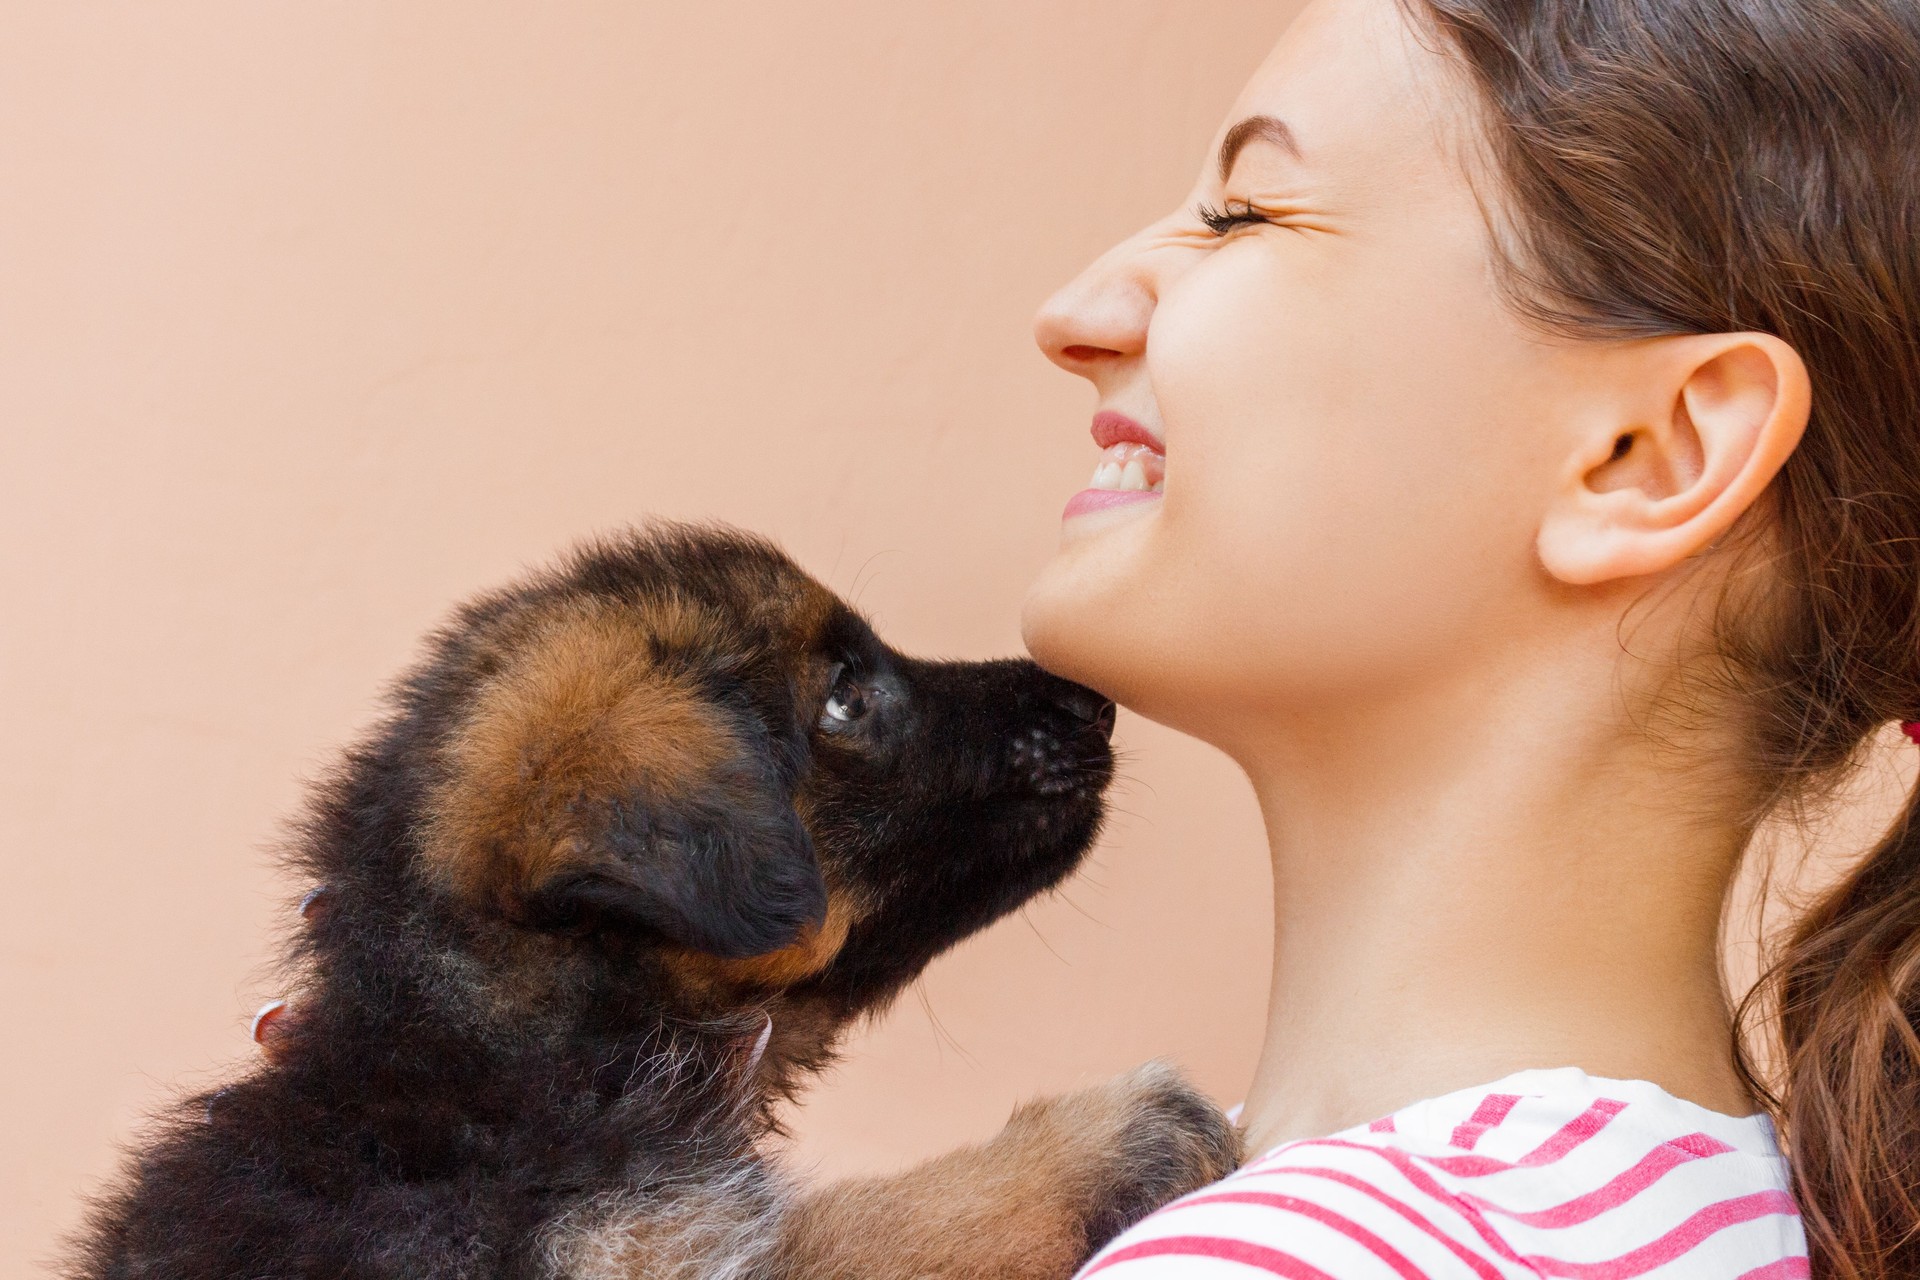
(639, 839)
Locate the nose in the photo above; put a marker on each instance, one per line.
(1097, 324)
(1087, 710)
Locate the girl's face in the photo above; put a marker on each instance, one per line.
(1353, 434)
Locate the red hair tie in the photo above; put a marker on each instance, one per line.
(1912, 729)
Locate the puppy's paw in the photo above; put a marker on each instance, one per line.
(1112, 1154)
(1167, 1140)
(1065, 1176)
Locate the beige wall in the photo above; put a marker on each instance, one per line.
(314, 318)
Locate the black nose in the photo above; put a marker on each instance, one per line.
(1086, 707)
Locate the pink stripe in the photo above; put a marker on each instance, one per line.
(1469, 1166)
(1574, 1132)
(1383, 1125)
(1318, 1213)
(1699, 1144)
(1653, 1166)
(1680, 1240)
(1571, 1135)
(1564, 1140)
(1493, 1109)
(1480, 1266)
(1271, 1261)
(1410, 1169)
(1785, 1269)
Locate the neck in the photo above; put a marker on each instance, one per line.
(1512, 884)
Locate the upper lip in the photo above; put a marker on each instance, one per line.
(1111, 427)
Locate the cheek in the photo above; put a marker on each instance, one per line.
(1345, 497)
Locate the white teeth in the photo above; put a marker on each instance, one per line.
(1129, 468)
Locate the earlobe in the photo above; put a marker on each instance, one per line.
(1704, 424)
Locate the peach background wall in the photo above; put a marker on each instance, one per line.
(315, 318)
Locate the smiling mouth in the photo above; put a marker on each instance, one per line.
(1130, 468)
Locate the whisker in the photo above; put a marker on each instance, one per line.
(1067, 898)
(940, 1028)
(1026, 915)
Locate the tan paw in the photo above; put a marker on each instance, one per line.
(1170, 1140)
(1125, 1148)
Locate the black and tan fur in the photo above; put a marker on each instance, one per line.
(622, 818)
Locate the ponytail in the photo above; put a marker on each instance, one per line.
(1847, 984)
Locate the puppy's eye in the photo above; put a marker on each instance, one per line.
(847, 703)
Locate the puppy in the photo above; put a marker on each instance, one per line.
(640, 838)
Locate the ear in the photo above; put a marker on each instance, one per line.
(1702, 425)
(584, 787)
(727, 869)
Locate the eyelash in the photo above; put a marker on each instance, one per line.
(1221, 221)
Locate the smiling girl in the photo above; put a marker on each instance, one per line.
(1512, 460)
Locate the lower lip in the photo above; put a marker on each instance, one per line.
(1088, 501)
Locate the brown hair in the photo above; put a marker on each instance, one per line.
(1708, 166)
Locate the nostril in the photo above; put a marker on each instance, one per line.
(1088, 709)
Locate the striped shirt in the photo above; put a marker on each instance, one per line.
(1543, 1174)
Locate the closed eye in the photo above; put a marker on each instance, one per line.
(1234, 214)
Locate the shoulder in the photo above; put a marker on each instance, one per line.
(1544, 1173)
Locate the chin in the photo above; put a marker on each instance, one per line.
(1056, 635)
(1084, 619)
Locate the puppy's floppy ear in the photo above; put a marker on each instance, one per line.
(730, 872)
(589, 787)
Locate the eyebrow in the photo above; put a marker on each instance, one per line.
(1256, 129)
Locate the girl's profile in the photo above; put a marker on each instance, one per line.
(1510, 461)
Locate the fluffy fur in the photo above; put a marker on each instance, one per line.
(621, 816)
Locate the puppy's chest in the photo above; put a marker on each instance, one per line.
(552, 1134)
(715, 1224)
